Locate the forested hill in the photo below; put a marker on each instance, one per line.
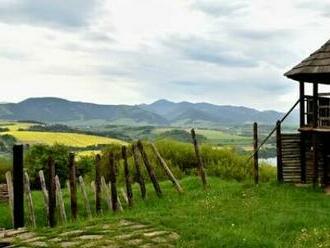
(161, 113)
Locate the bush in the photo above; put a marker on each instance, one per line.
(36, 159)
(5, 165)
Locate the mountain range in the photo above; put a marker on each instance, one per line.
(159, 113)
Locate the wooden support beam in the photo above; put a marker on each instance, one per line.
(256, 155)
(114, 193)
(150, 169)
(315, 159)
(200, 163)
(98, 184)
(302, 103)
(51, 192)
(167, 170)
(128, 179)
(73, 187)
(18, 186)
(315, 104)
(279, 152)
(138, 176)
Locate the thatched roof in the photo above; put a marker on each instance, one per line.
(316, 68)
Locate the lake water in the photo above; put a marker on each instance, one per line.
(271, 161)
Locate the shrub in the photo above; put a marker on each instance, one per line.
(5, 165)
(36, 159)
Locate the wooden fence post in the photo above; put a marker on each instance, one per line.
(9, 181)
(114, 194)
(18, 186)
(51, 192)
(201, 168)
(168, 172)
(149, 168)
(138, 176)
(85, 196)
(44, 192)
(279, 152)
(59, 197)
(29, 200)
(256, 155)
(128, 179)
(73, 187)
(98, 184)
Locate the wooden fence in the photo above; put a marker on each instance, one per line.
(19, 191)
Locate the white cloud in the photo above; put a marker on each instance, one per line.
(126, 51)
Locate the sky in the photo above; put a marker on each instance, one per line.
(131, 52)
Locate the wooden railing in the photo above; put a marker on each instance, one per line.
(323, 112)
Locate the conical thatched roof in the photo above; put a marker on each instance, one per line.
(316, 68)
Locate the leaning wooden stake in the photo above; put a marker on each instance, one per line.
(124, 195)
(150, 170)
(44, 192)
(84, 193)
(255, 157)
(51, 193)
(128, 179)
(114, 194)
(168, 172)
(59, 199)
(10, 194)
(199, 159)
(138, 176)
(106, 192)
(73, 187)
(98, 184)
(29, 200)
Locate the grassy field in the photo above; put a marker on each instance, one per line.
(214, 137)
(68, 139)
(14, 126)
(229, 214)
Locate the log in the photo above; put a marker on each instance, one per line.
(85, 197)
(200, 163)
(150, 169)
(98, 184)
(73, 187)
(18, 186)
(114, 194)
(138, 176)
(167, 170)
(128, 179)
(9, 181)
(29, 200)
(51, 192)
(59, 199)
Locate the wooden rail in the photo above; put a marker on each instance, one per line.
(273, 131)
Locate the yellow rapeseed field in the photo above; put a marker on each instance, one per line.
(69, 139)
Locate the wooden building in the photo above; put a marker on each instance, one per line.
(304, 157)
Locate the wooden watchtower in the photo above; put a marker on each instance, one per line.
(304, 157)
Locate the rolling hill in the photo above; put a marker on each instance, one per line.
(160, 113)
